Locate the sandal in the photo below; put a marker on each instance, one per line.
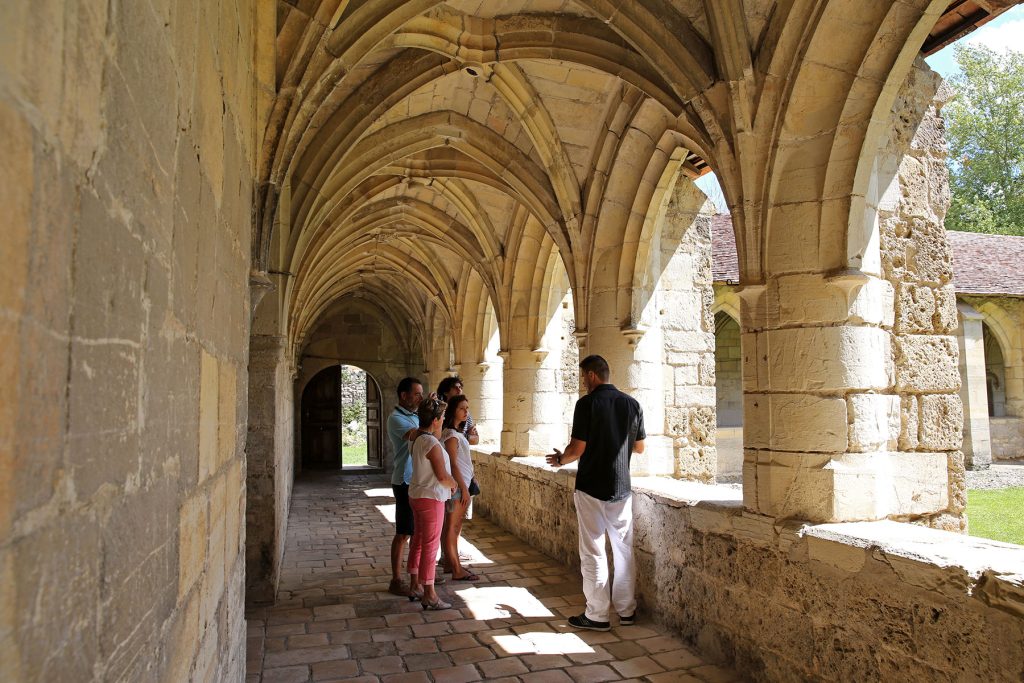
(469, 576)
(413, 597)
(396, 587)
(437, 605)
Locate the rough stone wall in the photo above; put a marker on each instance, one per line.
(917, 261)
(128, 135)
(781, 601)
(1007, 438)
(685, 302)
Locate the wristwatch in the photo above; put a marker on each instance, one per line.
(559, 459)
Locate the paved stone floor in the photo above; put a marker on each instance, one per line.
(334, 619)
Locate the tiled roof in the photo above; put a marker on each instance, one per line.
(982, 264)
(987, 264)
(725, 266)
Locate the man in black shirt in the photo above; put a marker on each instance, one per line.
(607, 428)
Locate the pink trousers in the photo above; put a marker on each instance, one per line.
(428, 515)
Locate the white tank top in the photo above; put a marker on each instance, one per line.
(424, 484)
(464, 459)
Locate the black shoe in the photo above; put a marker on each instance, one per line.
(627, 621)
(581, 621)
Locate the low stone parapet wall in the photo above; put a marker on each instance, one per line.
(1007, 435)
(784, 601)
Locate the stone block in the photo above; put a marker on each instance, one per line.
(916, 309)
(802, 422)
(212, 589)
(927, 363)
(941, 424)
(874, 421)
(192, 540)
(909, 419)
(227, 411)
(828, 358)
(920, 483)
(209, 415)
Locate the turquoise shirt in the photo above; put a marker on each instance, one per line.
(400, 421)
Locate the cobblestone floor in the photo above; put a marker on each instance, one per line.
(334, 619)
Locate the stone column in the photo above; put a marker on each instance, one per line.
(977, 445)
(635, 358)
(270, 464)
(533, 404)
(482, 383)
(820, 422)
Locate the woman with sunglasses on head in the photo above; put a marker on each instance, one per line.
(431, 486)
(457, 447)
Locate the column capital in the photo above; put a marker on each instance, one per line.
(633, 333)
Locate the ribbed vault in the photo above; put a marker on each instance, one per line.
(450, 156)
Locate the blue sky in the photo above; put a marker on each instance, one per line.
(1002, 33)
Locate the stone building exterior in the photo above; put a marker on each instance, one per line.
(209, 202)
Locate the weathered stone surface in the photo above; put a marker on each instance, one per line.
(748, 589)
(927, 363)
(110, 438)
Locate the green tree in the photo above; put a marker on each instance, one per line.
(985, 130)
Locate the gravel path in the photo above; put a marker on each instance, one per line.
(1001, 475)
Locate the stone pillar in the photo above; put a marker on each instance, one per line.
(482, 382)
(820, 426)
(270, 464)
(635, 358)
(977, 446)
(533, 404)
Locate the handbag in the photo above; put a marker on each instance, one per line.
(474, 488)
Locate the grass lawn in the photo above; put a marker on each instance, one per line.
(997, 514)
(353, 455)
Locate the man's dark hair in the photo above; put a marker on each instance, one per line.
(430, 409)
(597, 365)
(446, 385)
(405, 386)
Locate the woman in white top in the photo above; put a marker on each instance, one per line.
(431, 486)
(457, 447)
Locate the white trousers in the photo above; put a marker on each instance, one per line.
(596, 518)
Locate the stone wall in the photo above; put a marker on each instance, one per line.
(783, 601)
(357, 334)
(129, 132)
(917, 261)
(728, 373)
(685, 300)
(1007, 438)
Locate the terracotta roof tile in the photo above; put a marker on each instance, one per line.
(982, 264)
(987, 264)
(724, 264)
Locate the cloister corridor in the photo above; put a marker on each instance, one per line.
(334, 619)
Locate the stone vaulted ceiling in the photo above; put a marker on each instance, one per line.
(445, 160)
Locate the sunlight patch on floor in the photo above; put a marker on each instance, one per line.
(543, 643)
(502, 602)
(388, 512)
(379, 493)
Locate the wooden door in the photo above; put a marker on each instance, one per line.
(321, 421)
(374, 433)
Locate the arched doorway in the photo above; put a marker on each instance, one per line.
(995, 373)
(728, 398)
(342, 421)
